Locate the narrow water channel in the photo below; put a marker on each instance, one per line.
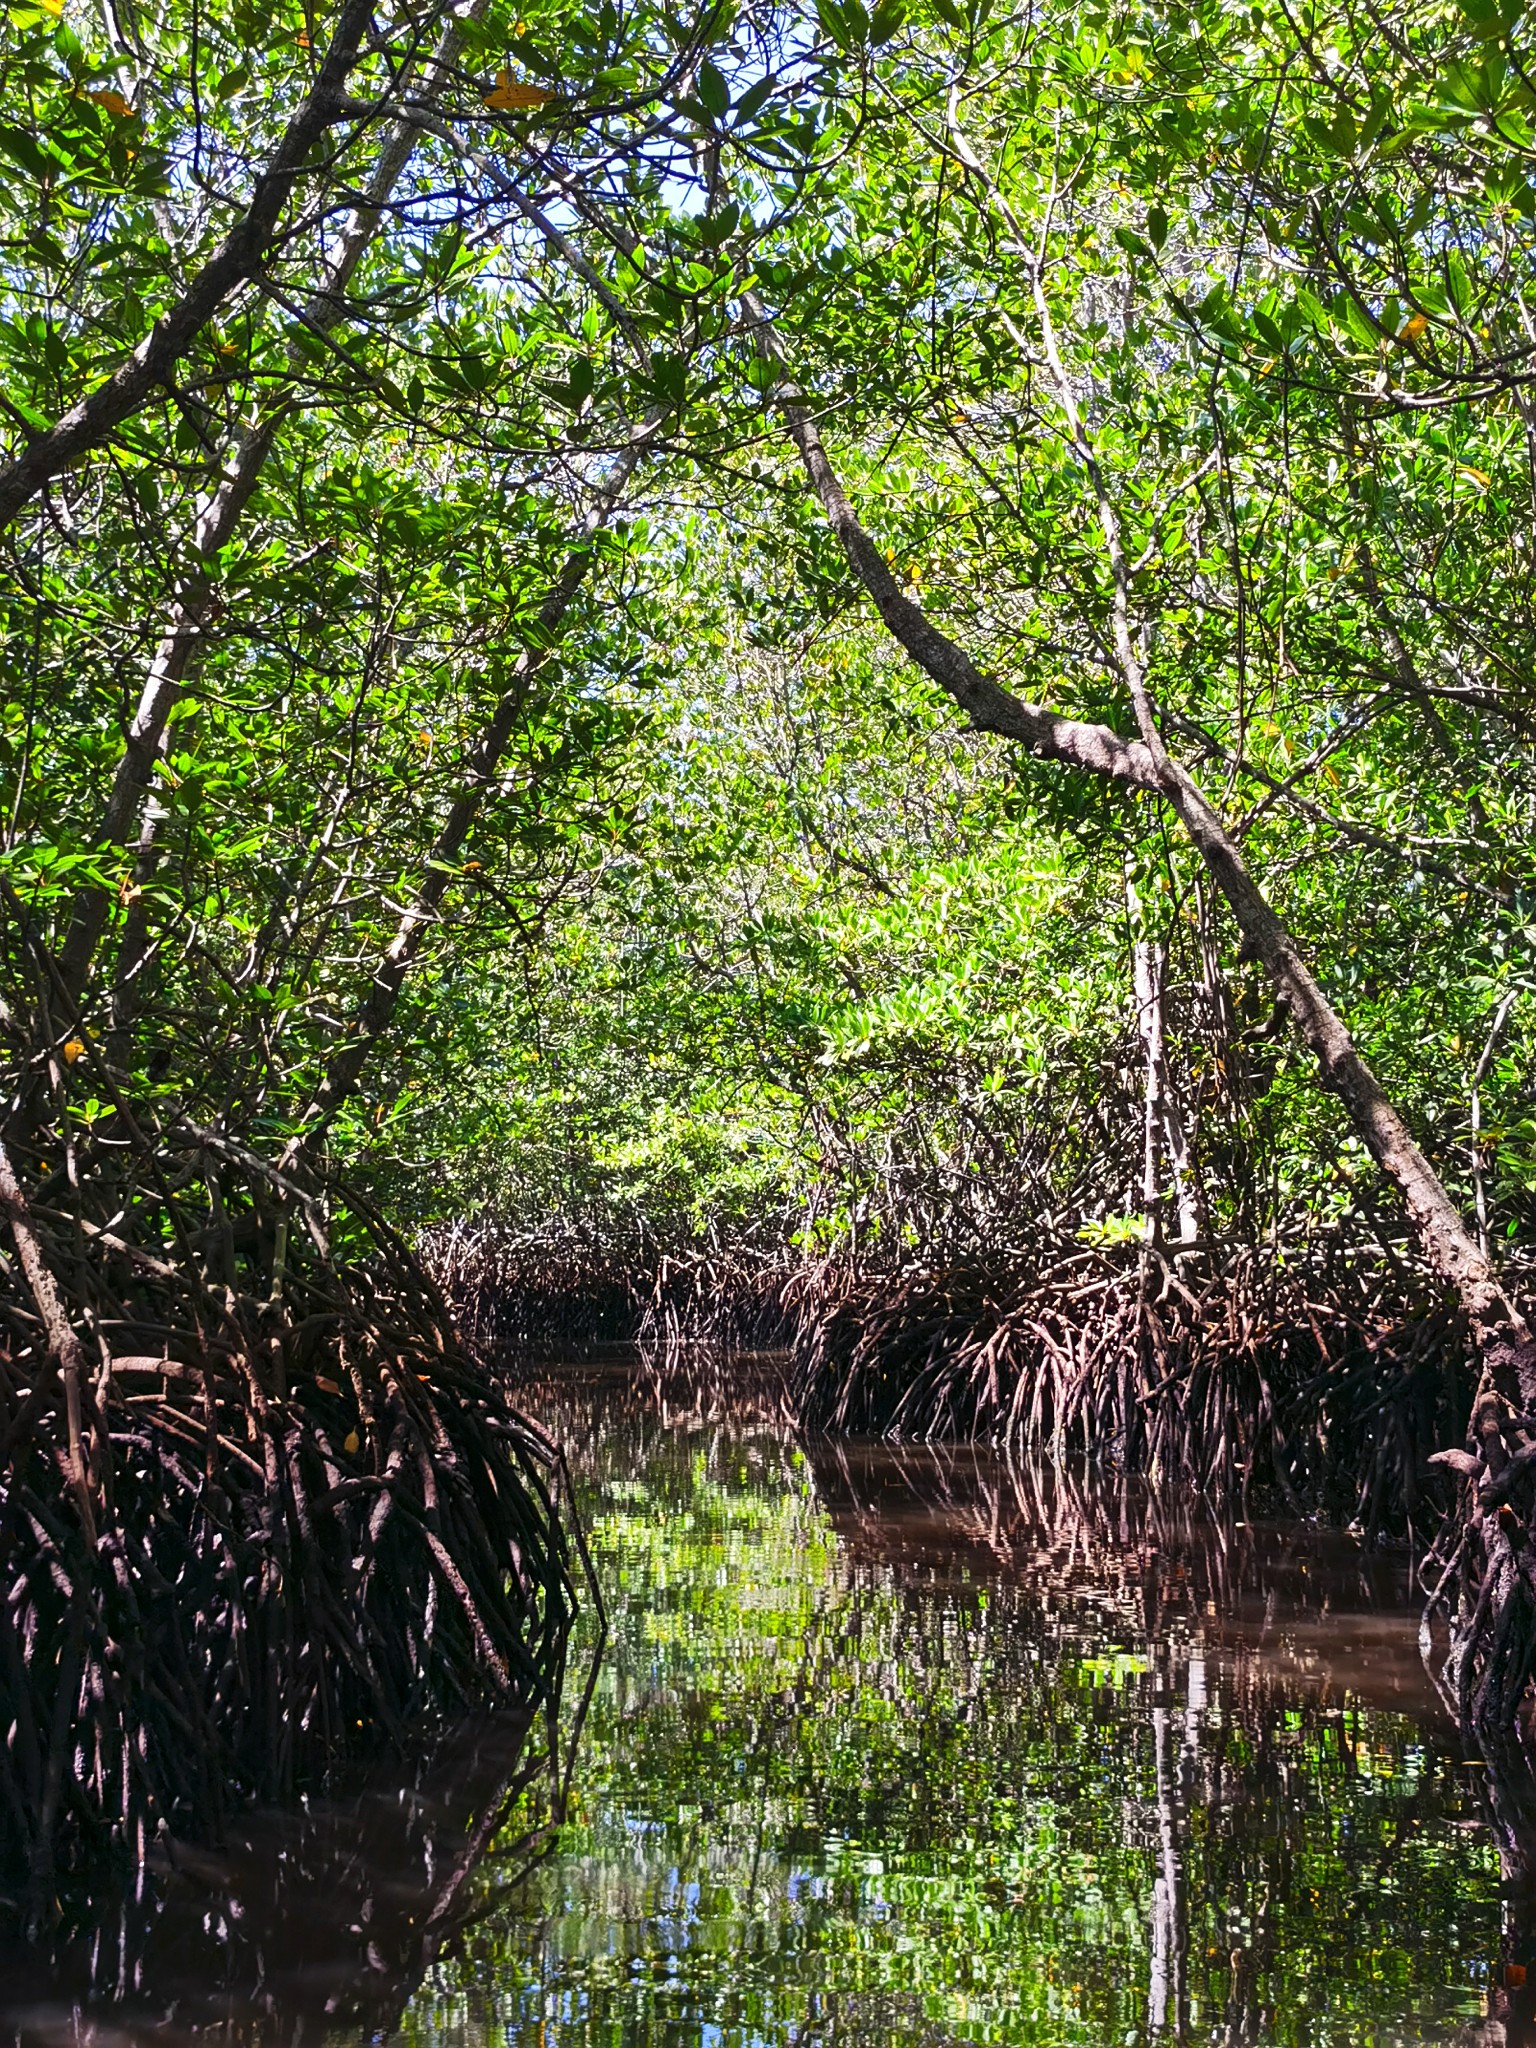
(897, 1746)
(890, 1746)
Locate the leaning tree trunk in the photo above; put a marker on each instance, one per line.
(238, 259)
(130, 814)
(1486, 1561)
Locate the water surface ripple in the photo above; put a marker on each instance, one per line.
(905, 1746)
(888, 1746)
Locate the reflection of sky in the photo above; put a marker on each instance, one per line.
(838, 1786)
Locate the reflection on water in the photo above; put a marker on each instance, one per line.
(300, 1925)
(898, 1747)
(891, 1746)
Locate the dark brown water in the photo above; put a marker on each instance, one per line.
(894, 1746)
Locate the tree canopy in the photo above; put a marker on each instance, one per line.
(895, 640)
(444, 733)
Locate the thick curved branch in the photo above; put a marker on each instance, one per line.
(1449, 1246)
(236, 260)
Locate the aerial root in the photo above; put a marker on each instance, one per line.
(1307, 1378)
(281, 1529)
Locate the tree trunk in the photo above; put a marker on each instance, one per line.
(237, 260)
(1164, 1137)
(1449, 1246)
(1484, 1565)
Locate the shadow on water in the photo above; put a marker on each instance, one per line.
(300, 1925)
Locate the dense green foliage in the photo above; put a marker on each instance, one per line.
(732, 926)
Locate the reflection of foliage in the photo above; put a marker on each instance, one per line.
(895, 1803)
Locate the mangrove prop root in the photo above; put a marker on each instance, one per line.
(246, 1530)
(1478, 1632)
(1296, 1372)
(1304, 1375)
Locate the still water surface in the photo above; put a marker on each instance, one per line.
(897, 1746)
(887, 1746)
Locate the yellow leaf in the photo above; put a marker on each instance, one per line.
(351, 1441)
(1474, 476)
(113, 102)
(54, 7)
(510, 94)
(302, 40)
(72, 1051)
(1412, 329)
(326, 1386)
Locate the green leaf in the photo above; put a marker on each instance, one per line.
(1269, 333)
(755, 98)
(24, 149)
(713, 91)
(669, 374)
(715, 228)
